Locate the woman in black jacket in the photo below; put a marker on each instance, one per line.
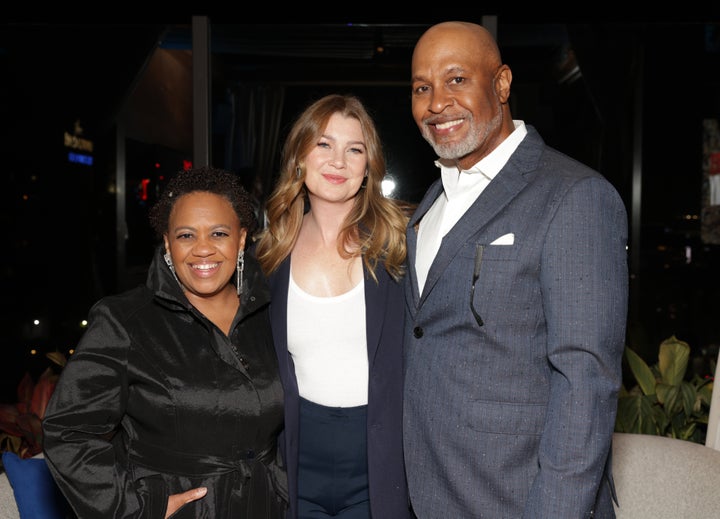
(171, 404)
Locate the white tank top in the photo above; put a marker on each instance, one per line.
(328, 344)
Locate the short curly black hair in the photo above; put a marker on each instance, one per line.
(208, 179)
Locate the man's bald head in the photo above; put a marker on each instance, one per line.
(470, 36)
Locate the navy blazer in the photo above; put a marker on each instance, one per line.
(385, 317)
(514, 418)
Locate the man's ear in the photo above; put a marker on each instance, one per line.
(502, 82)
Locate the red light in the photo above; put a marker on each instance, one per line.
(157, 165)
(187, 164)
(143, 189)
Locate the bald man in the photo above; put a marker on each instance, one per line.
(516, 304)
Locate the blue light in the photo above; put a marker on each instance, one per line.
(79, 158)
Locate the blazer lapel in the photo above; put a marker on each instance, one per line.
(497, 195)
(412, 291)
(375, 296)
(279, 281)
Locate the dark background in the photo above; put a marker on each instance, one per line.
(634, 110)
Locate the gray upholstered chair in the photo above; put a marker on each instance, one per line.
(664, 478)
(8, 506)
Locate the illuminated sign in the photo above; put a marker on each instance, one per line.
(80, 158)
(75, 141)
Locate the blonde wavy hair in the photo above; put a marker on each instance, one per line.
(374, 228)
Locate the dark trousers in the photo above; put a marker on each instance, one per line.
(332, 473)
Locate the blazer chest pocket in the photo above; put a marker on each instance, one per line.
(492, 258)
(493, 273)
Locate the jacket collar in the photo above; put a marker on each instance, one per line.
(160, 280)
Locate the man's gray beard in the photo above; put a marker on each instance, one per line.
(476, 137)
(455, 150)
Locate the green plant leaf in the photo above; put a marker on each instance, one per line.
(641, 371)
(667, 396)
(636, 414)
(687, 432)
(627, 413)
(662, 420)
(705, 394)
(673, 360)
(688, 395)
(662, 402)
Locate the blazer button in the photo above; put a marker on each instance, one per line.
(417, 332)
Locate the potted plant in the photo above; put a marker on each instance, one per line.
(21, 423)
(34, 491)
(665, 401)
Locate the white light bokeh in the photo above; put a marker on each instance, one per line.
(388, 185)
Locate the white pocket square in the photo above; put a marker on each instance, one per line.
(505, 239)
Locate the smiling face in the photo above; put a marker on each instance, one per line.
(336, 164)
(459, 92)
(204, 238)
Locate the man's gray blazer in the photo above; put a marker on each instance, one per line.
(514, 418)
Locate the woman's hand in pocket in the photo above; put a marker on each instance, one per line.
(177, 501)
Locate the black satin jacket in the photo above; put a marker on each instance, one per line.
(155, 401)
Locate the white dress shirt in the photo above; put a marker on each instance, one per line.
(460, 189)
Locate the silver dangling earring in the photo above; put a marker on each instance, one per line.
(298, 172)
(168, 260)
(240, 267)
(363, 185)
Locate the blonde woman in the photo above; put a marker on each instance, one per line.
(334, 251)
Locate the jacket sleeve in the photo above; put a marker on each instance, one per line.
(584, 284)
(82, 449)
